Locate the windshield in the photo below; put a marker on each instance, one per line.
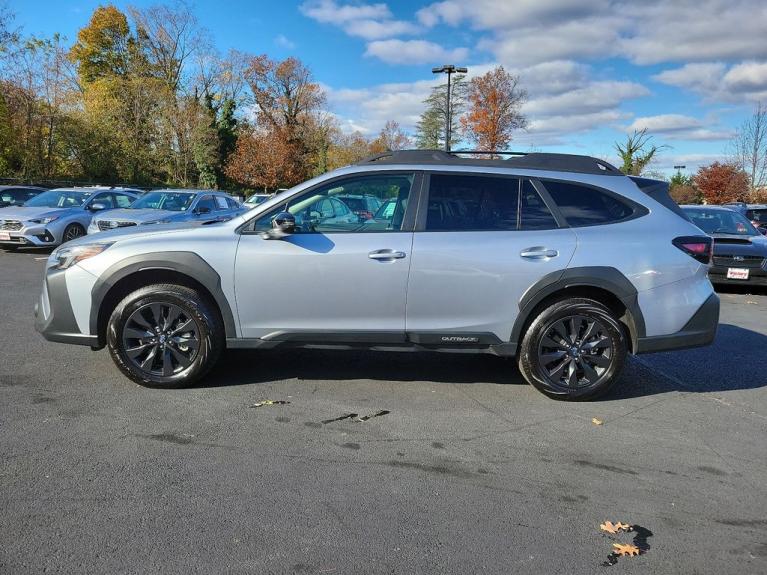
(12, 196)
(58, 199)
(721, 222)
(172, 201)
(256, 199)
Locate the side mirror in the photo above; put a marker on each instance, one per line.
(202, 210)
(97, 207)
(283, 225)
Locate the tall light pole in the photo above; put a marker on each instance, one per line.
(679, 170)
(448, 69)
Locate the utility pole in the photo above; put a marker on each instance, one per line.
(448, 69)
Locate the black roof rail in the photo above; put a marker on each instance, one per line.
(520, 160)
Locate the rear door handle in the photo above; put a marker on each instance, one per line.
(538, 253)
(384, 255)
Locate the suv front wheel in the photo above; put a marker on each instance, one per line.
(573, 350)
(165, 336)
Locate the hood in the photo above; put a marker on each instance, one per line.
(138, 216)
(131, 232)
(28, 213)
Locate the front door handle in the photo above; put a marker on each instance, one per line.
(386, 255)
(538, 253)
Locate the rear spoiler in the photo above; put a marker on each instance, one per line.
(658, 191)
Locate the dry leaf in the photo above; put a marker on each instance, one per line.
(596, 421)
(752, 302)
(611, 527)
(269, 402)
(627, 549)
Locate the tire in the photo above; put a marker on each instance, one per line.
(573, 350)
(189, 342)
(71, 232)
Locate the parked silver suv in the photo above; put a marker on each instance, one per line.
(559, 260)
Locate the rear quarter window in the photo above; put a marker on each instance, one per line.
(586, 206)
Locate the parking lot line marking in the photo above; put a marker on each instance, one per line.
(38, 259)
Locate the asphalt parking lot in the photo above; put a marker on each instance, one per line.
(471, 471)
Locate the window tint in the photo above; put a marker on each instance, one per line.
(206, 202)
(478, 203)
(123, 200)
(221, 203)
(105, 199)
(534, 215)
(323, 209)
(585, 206)
(233, 205)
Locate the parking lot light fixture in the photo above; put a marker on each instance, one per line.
(448, 69)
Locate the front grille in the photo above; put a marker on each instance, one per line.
(12, 225)
(105, 225)
(751, 262)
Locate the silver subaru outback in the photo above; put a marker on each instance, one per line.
(560, 261)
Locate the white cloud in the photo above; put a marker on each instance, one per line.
(329, 12)
(744, 82)
(413, 52)
(649, 32)
(284, 42)
(679, 127)
(368, 21)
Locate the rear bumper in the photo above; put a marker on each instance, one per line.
(698, 332)
(756, 276)
(54, 317)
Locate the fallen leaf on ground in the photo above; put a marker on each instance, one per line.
(752, 302)
(611, 527)
(596, 421)
(626, 549)
(269, 402)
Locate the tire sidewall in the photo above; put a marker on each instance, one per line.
(196, 309)
(69, 227)
(532, 368)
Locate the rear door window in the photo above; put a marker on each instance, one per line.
(534, 214)
(586, 206)
(472, 203)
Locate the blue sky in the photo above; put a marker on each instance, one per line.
(688, 70)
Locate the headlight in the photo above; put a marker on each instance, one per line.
(46, 220)
(65, 256)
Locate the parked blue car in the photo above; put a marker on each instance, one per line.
(170, 206)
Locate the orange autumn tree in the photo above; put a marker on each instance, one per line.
(720, 183)
(495, 101)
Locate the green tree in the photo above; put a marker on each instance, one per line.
(637, 152)
(430, 130)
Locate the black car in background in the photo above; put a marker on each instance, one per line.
(740, 250)
(17, 195)
(757, 213)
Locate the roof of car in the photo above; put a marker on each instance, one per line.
(707, 207)
(528, 161)
(183, 191)
(20, 187)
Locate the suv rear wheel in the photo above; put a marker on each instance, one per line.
(165, 336)
(574, 350)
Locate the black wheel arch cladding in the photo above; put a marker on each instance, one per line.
(186, 263)
(603, 277)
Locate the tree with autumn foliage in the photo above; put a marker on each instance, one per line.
(495, 102)
(721, 183)
(391, 137)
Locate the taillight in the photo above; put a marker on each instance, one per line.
(698, 247)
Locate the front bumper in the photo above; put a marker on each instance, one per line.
(699, 331)
(35, 235)
(54, 317)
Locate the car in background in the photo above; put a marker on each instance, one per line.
(170, 206)
(256, 199)
(57, 216)
(17, 195)
(365, 206)
(740, 250)
(757, 213)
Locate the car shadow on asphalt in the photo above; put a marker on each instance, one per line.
(732, 362)
(735, 361)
